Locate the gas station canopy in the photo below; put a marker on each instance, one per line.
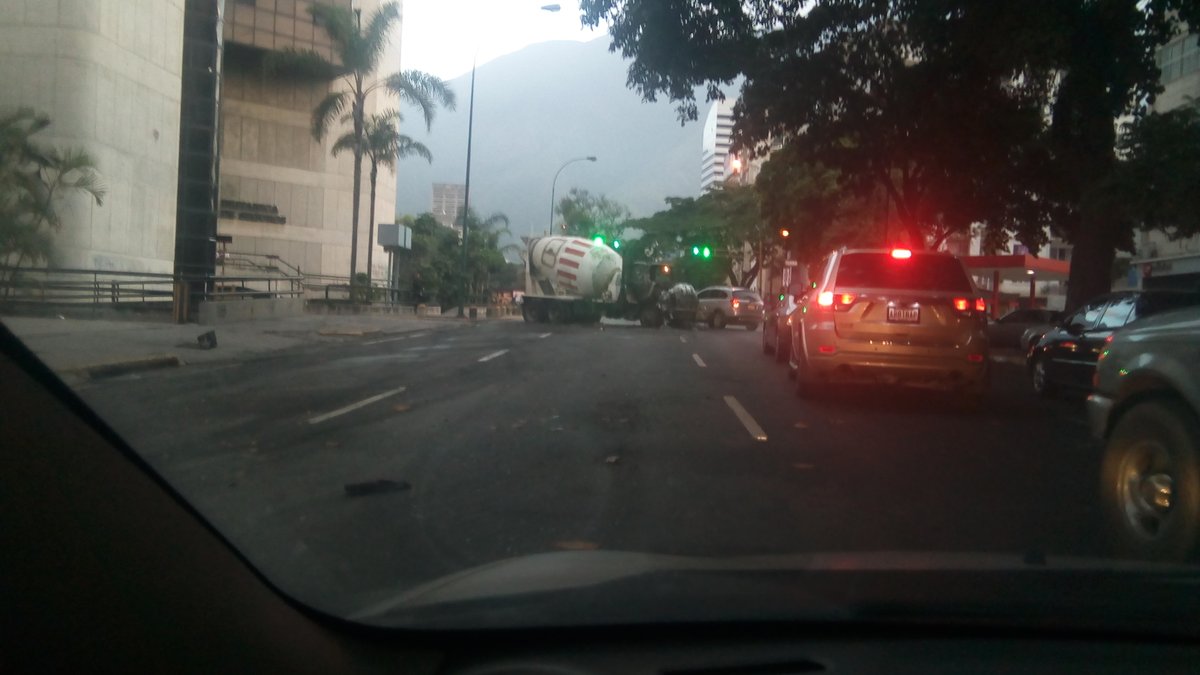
(1020, 267)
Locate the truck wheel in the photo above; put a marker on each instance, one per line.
(651, 318)
(717, 320)
(1150, 481)
(528, 312)
(559, 312)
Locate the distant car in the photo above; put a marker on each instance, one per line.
(1065, 357)
(1146, 408)
(1008, 330)
(724, 305)
(777, 338)
(891, 316)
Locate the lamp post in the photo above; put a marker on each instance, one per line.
(462, 286)
(554, 187)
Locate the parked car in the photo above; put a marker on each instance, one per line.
(1146, 408)
(891, 316)
(724, 305)
(777, 336)
(1065, 357)
(1008, 330)
(1031, 336)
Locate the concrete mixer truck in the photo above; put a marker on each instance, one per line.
(575, 279)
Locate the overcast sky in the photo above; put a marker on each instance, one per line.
(440, 36)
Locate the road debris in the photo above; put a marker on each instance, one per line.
(612, 459)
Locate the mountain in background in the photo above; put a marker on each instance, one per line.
(534, 110)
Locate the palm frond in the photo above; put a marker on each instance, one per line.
(407, 147)
(329, 109)
(376, 36)
(346, 142)
(422, 90)
(339, 23)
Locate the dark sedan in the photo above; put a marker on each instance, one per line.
(1066, 356)
(1007, 331)
(777, 335)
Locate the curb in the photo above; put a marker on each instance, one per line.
(115, 368)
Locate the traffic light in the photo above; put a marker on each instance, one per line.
(616, 243)
(695, 250)
(599, 239)
(706, 252)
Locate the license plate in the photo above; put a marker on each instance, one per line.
(904, 314)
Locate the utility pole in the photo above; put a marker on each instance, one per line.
(467, 198)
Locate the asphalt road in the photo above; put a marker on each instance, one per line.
(348, 472)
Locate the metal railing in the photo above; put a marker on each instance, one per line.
(82, 286)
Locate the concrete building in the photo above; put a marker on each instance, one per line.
(448, 202)
(282, 192)
(108, 73)
(1161, 261)
(167, 94)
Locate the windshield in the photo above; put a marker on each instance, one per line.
(919, 273)
(437, 306)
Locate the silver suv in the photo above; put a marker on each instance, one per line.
(724, 305)
(891, 316)
(1145, 406)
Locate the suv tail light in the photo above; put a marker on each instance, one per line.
(825, 299)
(980, 305)
(736, 303)
(970, 306)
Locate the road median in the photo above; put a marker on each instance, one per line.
(127, 366)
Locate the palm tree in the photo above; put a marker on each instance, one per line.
(33, 178)
(384, 145)
(358, 50)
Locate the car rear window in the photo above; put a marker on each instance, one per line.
(918, 273)
(747, 296)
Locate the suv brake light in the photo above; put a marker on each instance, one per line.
(736, 302)
(901, 253)
(961, 304)
(825, 298)
(980, 305)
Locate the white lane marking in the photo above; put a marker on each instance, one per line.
(683, 339)
(544, 336)
(756, 432)
(699, 361)
(493, 355)
(379, 342)
(354, 406)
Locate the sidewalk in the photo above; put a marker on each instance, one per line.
(83, 348)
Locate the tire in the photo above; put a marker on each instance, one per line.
(558, 312)
(1042, 384)
(752, 327)
(803, 384)
(528, 313)
(1156, 443)
(782, 348)
(717, 320)
(651, 318)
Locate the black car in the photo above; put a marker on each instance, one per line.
(1066, 356)
(777, 332)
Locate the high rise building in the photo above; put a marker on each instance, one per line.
(714, 155)
(448, 201)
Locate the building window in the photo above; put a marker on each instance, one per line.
(1178, 59)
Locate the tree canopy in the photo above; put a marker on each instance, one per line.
(962, 112)
(587, 215)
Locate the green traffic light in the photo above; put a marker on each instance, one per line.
(707, 252)
(695, 250)
(616, 243)
(598, 239)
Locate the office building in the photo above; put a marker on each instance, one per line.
(448, 201)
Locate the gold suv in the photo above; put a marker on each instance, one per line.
(891, 316)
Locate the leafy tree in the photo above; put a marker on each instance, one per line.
(437, 257)
(383, 145)
(1160, 172)
(587, 215)
(34, 178)
(999, 113)
(359, 50)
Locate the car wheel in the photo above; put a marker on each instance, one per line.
(1042, 385)
(1150, 481)
(803, 378)
(717, 320)
(782, 347)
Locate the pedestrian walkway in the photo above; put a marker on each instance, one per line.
(77, 347)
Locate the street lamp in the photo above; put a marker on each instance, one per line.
(462, 285)
(554, 187)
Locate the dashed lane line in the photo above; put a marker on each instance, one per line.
(683, 339)
(354, 406)
(544, 336)
(493, 355)
(699, 361)
(756, 432)
(396, 339)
